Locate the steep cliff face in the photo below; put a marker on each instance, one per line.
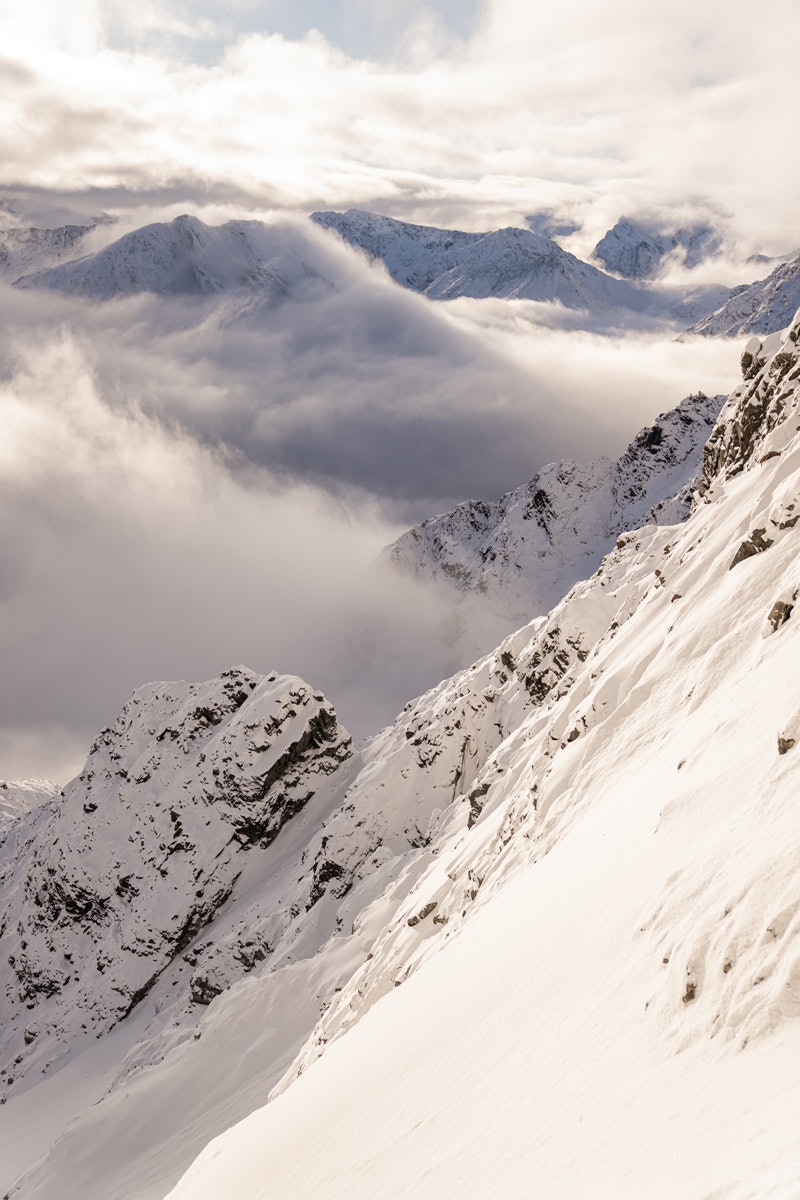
(518, 555)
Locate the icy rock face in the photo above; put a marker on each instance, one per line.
(23, 250)
(510, 263)
(121, 874)
(766, 306)
(187, 257)
(636, 251)
(753, 421)
(519, 554)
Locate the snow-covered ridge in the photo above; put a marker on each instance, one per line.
(20, 797)
(575, 855)
(518, 555)
(609, 900)
(187, 257)
(511, 263)
(27, 249)
(764, 307)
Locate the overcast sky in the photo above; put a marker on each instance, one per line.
(469, 113)
(134, 546)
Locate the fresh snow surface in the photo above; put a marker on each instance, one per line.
(541, 935)
(188, 257)
(593, 988)
(764, 307)
(516, 556)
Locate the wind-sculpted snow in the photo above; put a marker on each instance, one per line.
(580, 851)
(189, 258)
(519, 554)
(766, 306)
(638, 755)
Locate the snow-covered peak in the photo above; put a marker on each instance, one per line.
(516, 556)
(510, 263)
(638, 251)
(188, 257)
(20, 797)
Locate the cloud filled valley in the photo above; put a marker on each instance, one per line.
(193, 482)
(399, 497)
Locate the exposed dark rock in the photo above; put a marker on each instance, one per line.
(779, 614)
(785, 744)
(424, 912)
(757, 543)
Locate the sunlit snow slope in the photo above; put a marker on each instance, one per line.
(593, 987)
(540, 935)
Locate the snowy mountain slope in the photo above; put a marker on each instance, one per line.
(30, 249)
(516, 556)
(491, 887)
(511, 263)
(612, 907)
(188, 257)
(638, 251)
(764, 307)
(19, 798)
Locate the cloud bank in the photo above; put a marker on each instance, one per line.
(593, 111)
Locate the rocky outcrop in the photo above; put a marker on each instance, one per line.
(749, 428)
(146, 846)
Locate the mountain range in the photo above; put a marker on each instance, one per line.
(267, 262)
(564, 877)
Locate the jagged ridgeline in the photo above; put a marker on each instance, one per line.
(231, 886)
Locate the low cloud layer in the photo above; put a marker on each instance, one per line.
(132, 553)
(181, 490)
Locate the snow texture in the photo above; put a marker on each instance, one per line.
(510, 263)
